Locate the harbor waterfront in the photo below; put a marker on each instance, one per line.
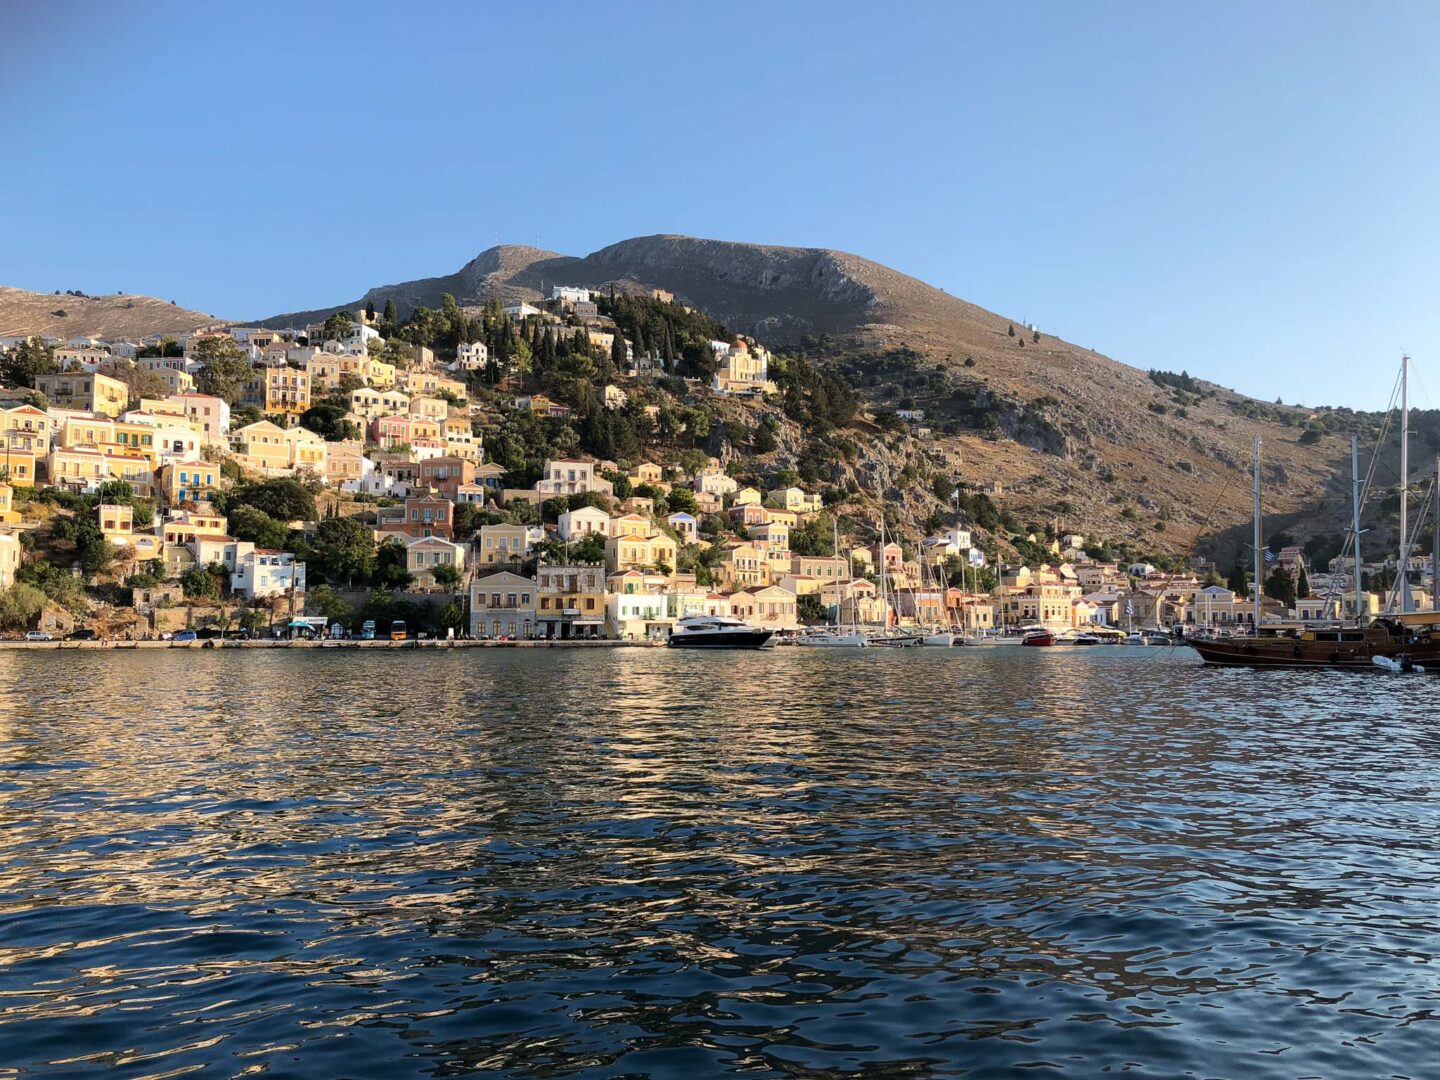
(651, 862)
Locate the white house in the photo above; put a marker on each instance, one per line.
(566, 476)
(264, 572)
(470, 356)
(576, 524)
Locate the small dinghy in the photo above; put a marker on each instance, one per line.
(1400, 664)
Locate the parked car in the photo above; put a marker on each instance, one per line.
(184, 635)
(38, 635)
(83, 634)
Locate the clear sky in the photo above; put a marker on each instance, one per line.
(1245, 190)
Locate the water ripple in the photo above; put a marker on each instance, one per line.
(647, 864)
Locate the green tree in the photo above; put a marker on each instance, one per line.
(20, 605)
(1302, 584)
(329, 422)
(809, 609)
(344, 551)
(116, 492)
(337, 326)
(390, 571)
(682, 499)
(1281, 586)
(283, 498)
(26, 362)
(199, 584)
(224, 369)
(446, 575)
(259, 528)
(1239, 581)
(323, 600)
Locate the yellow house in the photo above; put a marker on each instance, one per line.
(135, 468)
(344, 461)
(30, 421)
(432, 384)
(78, 469)
(8, 514)
(264, 443)
(136, 438)
(278, 390)
(794, 498)
(87, 432)
(188, 481)
(307, 450)
(431, 408)
(744, 566)
(630, 525)
(766, 605)
(379, 373)
(116, 519)
(185, 525)
(17, 465)
(503, 544)
(85, 392)
(636, 552)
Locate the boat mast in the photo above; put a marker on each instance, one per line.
(1435, 546)
(884, 593)
(1259, 554)
(1401, 580)
(1355, 521)
(1402, 576)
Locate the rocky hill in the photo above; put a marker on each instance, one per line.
(1070, 434)
(120, 316)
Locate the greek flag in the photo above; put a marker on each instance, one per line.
(1129, 608)
(1269, 556)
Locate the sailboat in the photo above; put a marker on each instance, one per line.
(838, 637)
(1412, 635)
(941, 636)
(888, 637)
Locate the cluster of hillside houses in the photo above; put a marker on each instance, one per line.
(419, 454)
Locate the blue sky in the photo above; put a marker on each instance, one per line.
(1247, 191)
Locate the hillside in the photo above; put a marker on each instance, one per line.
(121, 316)
(1070, 434)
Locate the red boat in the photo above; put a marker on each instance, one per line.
(1038, 637)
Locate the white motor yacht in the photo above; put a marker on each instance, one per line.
(833, 639)
(718, 632)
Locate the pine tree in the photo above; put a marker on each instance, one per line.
(617, 351)
(1281, 586)
(1012, 330)
(1302, 585)
(391, 314)
(1239, 582)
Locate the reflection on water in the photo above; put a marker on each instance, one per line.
(645, 863)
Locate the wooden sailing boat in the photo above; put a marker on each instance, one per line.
(1414, 636)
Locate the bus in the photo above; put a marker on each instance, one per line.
(367, 630)
(397, 630)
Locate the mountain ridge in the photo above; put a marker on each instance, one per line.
(117, 316)
(1068, 433)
